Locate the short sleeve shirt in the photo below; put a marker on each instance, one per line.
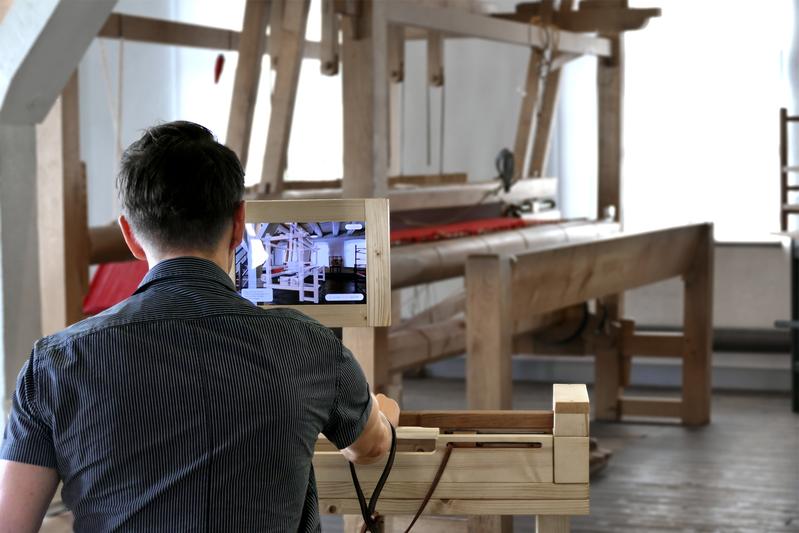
(186, 408)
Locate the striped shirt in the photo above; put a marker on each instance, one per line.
(186, 408)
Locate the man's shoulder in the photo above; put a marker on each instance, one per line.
(128, 314)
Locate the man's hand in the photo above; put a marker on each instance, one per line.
(375, 440)
(390, 408)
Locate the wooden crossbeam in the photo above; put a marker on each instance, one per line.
(460, 22)
(462, 507)
(533, 421)
(650, 406)
(167, 32)
(548, 280)
(653, 345)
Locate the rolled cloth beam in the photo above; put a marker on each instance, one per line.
(439, 260)
(106, 245)
(418, 263)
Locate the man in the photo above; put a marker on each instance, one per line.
(185, 407)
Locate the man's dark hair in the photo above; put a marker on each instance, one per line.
(179, 187)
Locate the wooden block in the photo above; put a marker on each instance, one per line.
(571, 425)
(571, 459)
(552, 524)
(571, 408)
(570, 398)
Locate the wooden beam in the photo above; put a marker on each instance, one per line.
(365, 99)
(650, 406)
(468, 507)
(529, 102)
(426, 262)
(461, 490)
(489, 332)
(167, 32)
(396, 54)
(393, 181)
(548, 280)
(41, 45)
(329, 53)
(552, 524)
(461, 22)
(480, 419)
(248, 73)
(605, 19)
(546, 113)
(607, 383)
(443, 310)
(610, 94)
(653, 345)
(276, 8)
(292, 41)
(698, 331)
(435, 59)
(63, 226)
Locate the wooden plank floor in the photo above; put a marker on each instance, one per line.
(741, 473)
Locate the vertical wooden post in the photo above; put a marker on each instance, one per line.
(532, 86)
(552, 524)
(698, 334)
(364, 51)
(292, 46)
(248, 74)
(607, 381)
(610, 93)
(328, 50)
(489, 338)
(63, 223)
(549, 104)
(435, 59)
(365, 100)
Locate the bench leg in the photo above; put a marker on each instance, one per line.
(552, 524)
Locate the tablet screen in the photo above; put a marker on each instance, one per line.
(302, 263)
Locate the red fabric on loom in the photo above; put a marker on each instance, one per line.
(112, 283)
(453, 231)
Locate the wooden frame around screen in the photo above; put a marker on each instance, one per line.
(374, 212)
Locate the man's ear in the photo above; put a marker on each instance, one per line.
(238, 227)
(130, 239)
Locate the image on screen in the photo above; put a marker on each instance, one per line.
(299, 263)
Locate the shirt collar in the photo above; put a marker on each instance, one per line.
(186, 268)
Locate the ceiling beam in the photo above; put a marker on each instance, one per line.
(42, 42)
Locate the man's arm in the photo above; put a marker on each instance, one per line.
(25, 493)
(375, 440)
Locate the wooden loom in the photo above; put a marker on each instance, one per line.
(502, 462)
(370, 52)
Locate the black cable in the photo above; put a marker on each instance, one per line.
(369, 511)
